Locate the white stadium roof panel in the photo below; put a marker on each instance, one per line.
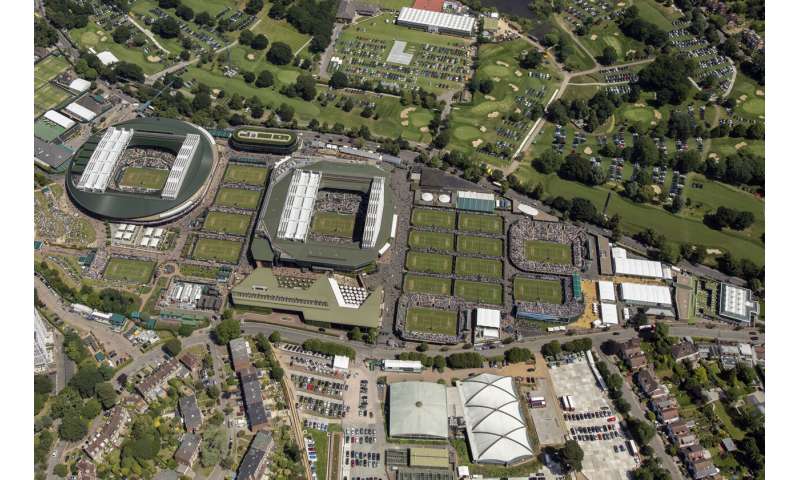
(418, 409)
(607, 293)
(438, 20)
(609, 314)
(107, 58)
(80, 85)
(646, 294)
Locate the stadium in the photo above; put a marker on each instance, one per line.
(264, 140)
(546, 247)
(147, 170)
(548, 298)
(324, 214)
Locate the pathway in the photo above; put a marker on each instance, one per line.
(149, 35)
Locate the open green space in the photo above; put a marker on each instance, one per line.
(538, 290)
(93, 36)
(280, 31)
(48, 97)
(607, 34)
(479, 292)
(215, 249)
(129, 270)
(476, 222)
(237, 197)
(430, 320)
(423, 284)
(392, 4)
(48, 69)
(142, 177)
(424, 217)
(657, 14)
(577, 60)
(333, 224)
(492, 247)
(430, 240)
(230, 223)
(726, 146)
(246, 174)
(429, 262)
(749, 96)
(548, 252)
(484, 267)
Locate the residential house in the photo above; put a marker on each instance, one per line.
(191, 414)
(86, 470)
(255, 460)
(703, 469)
(257, 416)
(152, 386)
(686, 352)
(188, 451)
(668, 415)
(240, 354)
(631, 352)
(191, 362)
(757, 400)
(680, 433)
(648, 382)
(694, 453)
(109, 435)
(729, 444)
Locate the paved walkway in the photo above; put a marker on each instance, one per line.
(148, 34)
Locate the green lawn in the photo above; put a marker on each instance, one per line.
(608, 34)
(333, 224)
(140, 177)
(433, 218)
(214, 249)
(479, 266)
(429, 320)
(429, 262)
(246, 174)
(239, 198)
(480, 245)
(475, 222)
(479, 292)
(430, 240)
(538, 290)
(749, 96)
(657, 14)
(280, 31)
(129, 270)
(47, 97)
(422, 284)
(548, 252)
(48, 69)
(231, 223)
(93, 36)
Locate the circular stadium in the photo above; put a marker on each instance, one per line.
(146, 170)
(264, 140)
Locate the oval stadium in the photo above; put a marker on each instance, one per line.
(264, 140)
(146, 170)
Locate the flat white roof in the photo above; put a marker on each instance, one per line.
(107, 58)
(372, 225)
(475, 195)
(607, 293)
(80, 111)
(439, 20)
(59, 119)
(647, 294)
(638, 268)
(104, 159)
(296, 216)
(528, 210)
(80, 85)
(487, 317)
(389, 363)
(180, 167)
(737, 302)
(340, 362)
(609, 314)
(619, 252)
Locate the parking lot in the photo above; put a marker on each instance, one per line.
(548, 419)
(363, 447)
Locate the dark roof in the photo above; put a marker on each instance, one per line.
(89, 102)
(192, 416)
(346, 10)
(49, 153)
(253, 402)
(683, 349)
(647, 381)
(433, 177)
(189, 445)
(254, 459)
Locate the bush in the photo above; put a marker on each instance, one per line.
(329, 348)
(280, 54)
(465, 360)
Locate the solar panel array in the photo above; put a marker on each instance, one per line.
(104, 159)
(296, 216)
(181, 166)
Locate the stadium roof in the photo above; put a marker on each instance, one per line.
(496, 430)
(418, 409)
(607, 293)
(59, 119)
(609, 313)
(737, 303)
(646, 294)
(640, 268)
(445, 21)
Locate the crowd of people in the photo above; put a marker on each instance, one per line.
(525, 230)
(345, 203)
(56, 225)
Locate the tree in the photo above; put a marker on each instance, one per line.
(572, 455)
(121, 34)
(276, 373)
(253, 7)
(85, 380)
(275, 337)
(246, 37)
(72, 428)
(91, 409)
(184, 12)
(60, 470)
(548, 162)
(166, 27)
(44, 35)
(280, 54)
(486, 86)
(608, 57)
(42, 385)
(286, 112)
(204, 18)
(259, 42)
(422, 347)
(226, 331)
(641, 430)
(339, 80)
(248, 77)
(265, 79)
(517, 354)
(532, 59)
(185, 330)
(106, 394)
(173, 346)
(551, 349)
(168, 3)
(355, 334)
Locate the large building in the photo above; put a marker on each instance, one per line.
(264, 140)
(636, 267)
(42, 344)
(418, 410)
(737, 304)
(146, 170)
(646, 295)
(255, 460)
(436, 22)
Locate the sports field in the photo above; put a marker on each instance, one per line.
(45, 94)
(479, 266)
(237, 197)
(221, 222)
(433, 218)
(432, 240)
(129, 270)
(430, 320)
(48, 69)
(246, 174)
(47, 97)
(214, 249)
(333, 224)
(492, 247)
(140, 177)
(548, 252)
(479, 292)
(474, 222)
(538, 290)
(429, 285)
(429, 262)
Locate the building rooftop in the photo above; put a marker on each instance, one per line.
(190, 443)
(190, 412)
(737, 303)
(418, 409)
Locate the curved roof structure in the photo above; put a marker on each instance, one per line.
(418, 409)
(495, 427)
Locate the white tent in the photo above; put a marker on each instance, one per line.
(606, 291)
(107, 58)
(59, 119)
(80, 85)
(609, 314)
(80, 111)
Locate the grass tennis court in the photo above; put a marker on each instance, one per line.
(474, 222)
(479, 266)
(47, 97)
(479, 292)
(433, 218)
(429, 262)
(129, 270)
(237, 197)
(333, 224)
(538, 290)
(480, 245)
(432, 240)
(214, 249)
(152, 178)
(548, 252)
(246, 174)
(429, 285)
(48, 69)
(232, 223)
(431, 320)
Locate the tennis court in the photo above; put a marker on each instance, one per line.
(479, 292)
(139, 177)
(538, 290)
(548, 252)
(492, 247)
(237, 197)
(247, 174)
(230, 223)
(215, 249)
(429, 285)
(129, 270)
(333, 224)
(429, 262)
(479, 266)
(433, 218)
(431, 240)
(475, 222)
(431, 320)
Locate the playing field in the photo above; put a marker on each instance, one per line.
(214, 249)
(433, 218)
(237, 197)
(246, 174)
(429, 262)
(333, 224)
(429, 285)
(432, 240)
(479, 266)
(429, 320)
(129, 270)
(221, 222)
(548, 252)
(473, 222)
(492, 247)
(47, 97)
(538, 290)
(48, 69)
(139, 177)
(479, 292)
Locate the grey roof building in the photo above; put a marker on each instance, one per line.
(240, 353)
(737, 304)
(257, 415)
(187, 452)
(254, 462)
(418, 410)
(50, 154)
(190, 412)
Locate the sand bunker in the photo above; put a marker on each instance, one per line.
(404, 123)
(215, 91)
(153, 58)
(489, 97)
(713, 251)
(405, 112)
(424, 129)
(251, 56)
(476, 143)
(593, 37)
(587, 151)
(713, 156)
(656, 189)
(621, 4)
(657, 114)
(517, 73)
(760, 93)
(513, 87)
(740, 145)
(482, 129)
(742, 98)
(103, 39)
(493, 115)
(495, 79)
(640, 105)
(502, 64)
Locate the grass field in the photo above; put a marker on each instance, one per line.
(657, 14)
(246, 174)
(237, 197)
(152, 178)
(129, 270)
(475, 222)
(433, 218)
(47, 95)
(214, 249)
(479, 292)
(548, 252)
(48, 69)
(222, 222)
(429, 262)
(479, 266)
(538, 290)
(429, 320)
(333, 224)
(432, 240)
(93, 36)
(479, 245)
(430, 285)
